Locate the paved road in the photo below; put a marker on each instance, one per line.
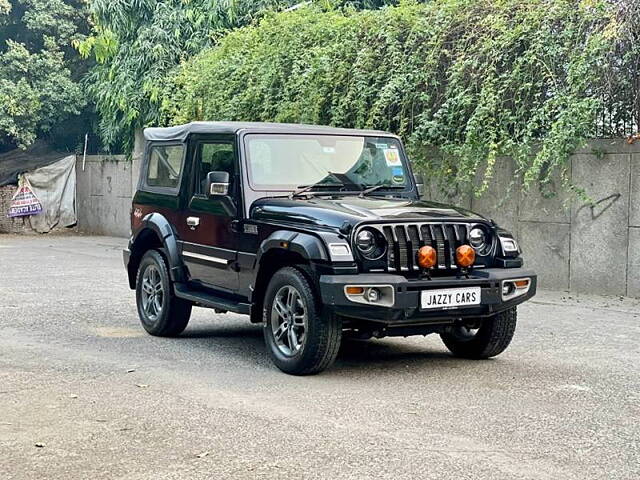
(104, 400)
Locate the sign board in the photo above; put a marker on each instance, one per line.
(24, 202)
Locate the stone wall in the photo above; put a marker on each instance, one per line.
(572, 246)
(11, 225)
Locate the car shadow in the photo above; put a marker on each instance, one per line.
(395, 355)
(246, 343)
(386, 350)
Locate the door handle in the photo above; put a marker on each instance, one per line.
(193, 222)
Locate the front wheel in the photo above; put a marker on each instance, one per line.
(300, 337)
(161, 313)
(490, 339)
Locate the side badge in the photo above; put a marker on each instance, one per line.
(250, 228)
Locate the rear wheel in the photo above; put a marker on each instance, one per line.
(161, 312)
(490, 339)
(300, 337)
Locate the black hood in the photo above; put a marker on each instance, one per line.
(335, 211)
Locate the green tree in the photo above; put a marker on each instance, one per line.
(137, 43)
(39, 69)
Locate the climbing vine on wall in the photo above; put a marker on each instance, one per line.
(476, 79)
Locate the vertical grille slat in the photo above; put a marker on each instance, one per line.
(402, 247)
(413, 236)
(452, 244)
(405, 239)
(391, 254)
(440, 246)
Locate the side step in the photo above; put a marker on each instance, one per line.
(209, 300)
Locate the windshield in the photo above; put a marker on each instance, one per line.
(287, 162)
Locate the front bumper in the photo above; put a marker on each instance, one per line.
(406, 306)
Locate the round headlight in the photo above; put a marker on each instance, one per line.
(365, 241)
(371, 244)
(480, 240)
(477, 238)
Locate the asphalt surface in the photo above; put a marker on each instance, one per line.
(85, 393)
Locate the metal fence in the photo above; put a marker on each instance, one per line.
(619, 116)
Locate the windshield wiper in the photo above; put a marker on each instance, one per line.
(305, 188)
(369, 190)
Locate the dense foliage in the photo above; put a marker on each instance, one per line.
(476, 78)
(137, 43)
(39, 70)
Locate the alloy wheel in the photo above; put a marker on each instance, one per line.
(289, 320)
(152, 293)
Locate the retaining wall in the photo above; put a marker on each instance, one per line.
(572, 246)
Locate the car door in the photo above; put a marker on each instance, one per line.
(209, 241)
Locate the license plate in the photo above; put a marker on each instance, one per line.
(450, 298)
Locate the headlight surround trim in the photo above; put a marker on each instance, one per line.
(379, 244)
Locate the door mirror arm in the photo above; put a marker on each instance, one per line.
(419, 179)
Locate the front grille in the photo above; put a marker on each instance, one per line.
(405, 239)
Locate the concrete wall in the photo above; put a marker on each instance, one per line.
(103, 198)
(574, 246)
(105, 186)
(571, 245)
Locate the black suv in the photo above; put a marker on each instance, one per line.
(317, 233)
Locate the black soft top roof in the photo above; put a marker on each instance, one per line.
(181, 132)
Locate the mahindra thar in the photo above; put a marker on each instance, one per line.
(317, 233)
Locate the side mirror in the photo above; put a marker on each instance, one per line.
(217, 184)
(419, 179)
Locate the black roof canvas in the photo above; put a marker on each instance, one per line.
(181, 132)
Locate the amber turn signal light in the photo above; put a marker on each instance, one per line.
(521, 283)
(465, 256)
(355, 290)
(426, 257)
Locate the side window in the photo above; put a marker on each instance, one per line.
(165, 166)
(213, 157)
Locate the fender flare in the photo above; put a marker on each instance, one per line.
(157, 223)
(307, 246)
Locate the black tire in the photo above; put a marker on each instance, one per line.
(321, 335)
(491, 339)
(174, 313)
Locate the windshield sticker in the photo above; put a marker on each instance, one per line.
(381, 145)
(397, 174)
(328, 149)
(392, 156)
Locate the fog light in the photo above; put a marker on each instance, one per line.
(465, 256)
(515, 288)
(426, 257)
(373, 295)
